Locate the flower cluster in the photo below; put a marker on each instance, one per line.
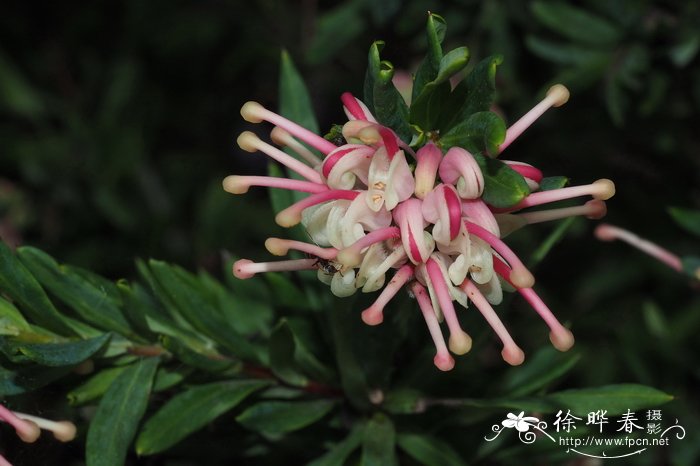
(28, 428)
(375, 205)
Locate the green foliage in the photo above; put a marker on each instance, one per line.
(118, 414)
(189, 411)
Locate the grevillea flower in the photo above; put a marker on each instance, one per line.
(371, 214)
(28, 428)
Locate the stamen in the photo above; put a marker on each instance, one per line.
(593, 209)
(253, 112)
(26, 430)
(601, 190)
(236, 184)
(520, 276)
(561, 337)
(280, 247)
(352, 255)
(292, 215)
(373, 315)
(512, 354)
(250, 142)
(607, 232)
(282, 138)
(443, 359)
(460, 342)
(244, 268)
(557, 96)
(64, 431)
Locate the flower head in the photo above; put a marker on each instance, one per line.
(376, 208)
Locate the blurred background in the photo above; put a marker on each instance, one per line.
(118, 122)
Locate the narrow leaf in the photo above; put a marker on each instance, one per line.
(118, 415)
(62, 354)
(337, 455)
(616, 399)
(428, 450)
(378, 444)
(90, 303)
(279, 417)
(428, 70)
(546, 366)
(19, 284)
(191, 410)
(575, 23)
(282, 361)
(295, 103)
(95, 387)
(688, 219)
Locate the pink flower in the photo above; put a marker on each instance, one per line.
(370, 211)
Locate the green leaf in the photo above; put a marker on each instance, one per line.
(452, 63)
(428, 450)
(16, 94)
(11, 320)
(92, 304)
(481, 132)
(278, 417)
(95, 387)
(118, 415)
(428, 107)
(352, 375)
(428, 70)
(477, 92)
(691, 266)
(337, 455)
(190, 410)
(553, 182)
(186, 297)
(616, 399)
(19, 284)
(282, 361)
(378, 444)
(566, 54)
(295, 103)
(209, 361)
(246, 315)
(503, 186)
(29, 379)
(334, 30)
(403, 401)
(59, 354)
(551, 240)
(688, 219)
(546, 366)
(576, 24)
(382, 97)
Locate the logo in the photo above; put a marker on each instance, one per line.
(601, 437)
